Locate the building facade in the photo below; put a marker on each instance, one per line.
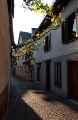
(22, 69)
(56, 60)
(6, 13)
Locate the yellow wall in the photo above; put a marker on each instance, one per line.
(27, 77)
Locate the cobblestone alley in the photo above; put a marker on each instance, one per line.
(29, 102)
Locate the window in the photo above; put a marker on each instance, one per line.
(22, 57)
(47, 43)
(38, 71)
(57, 68)
(27, 55)
(17, 70)
(26, 70)
(32, 73)
(20, 70)
(69, 28)
(18, 58)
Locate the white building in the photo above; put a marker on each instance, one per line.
(22, 69)
(56, 62)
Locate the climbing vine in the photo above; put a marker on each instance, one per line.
(38, 6)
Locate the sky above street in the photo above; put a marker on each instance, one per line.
(25, 19)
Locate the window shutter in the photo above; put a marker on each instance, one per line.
(77, 22)
(49, 41)
(63, 33)
(45, 45)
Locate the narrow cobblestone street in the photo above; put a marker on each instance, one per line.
(29, 102)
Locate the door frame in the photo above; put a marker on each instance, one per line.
(48, 63)
(69, 96)
(38, 72)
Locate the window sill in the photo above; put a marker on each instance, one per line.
(71, 41)
(47, 51)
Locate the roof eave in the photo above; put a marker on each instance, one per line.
(44, 25)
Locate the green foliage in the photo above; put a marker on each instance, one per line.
(30, 45)
(38, 6)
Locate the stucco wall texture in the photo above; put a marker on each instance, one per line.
(4, 57)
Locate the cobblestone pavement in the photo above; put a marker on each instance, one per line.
(29, 102)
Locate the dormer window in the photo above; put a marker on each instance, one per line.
(47, 43)
(69, 28)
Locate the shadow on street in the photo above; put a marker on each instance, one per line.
(18, 109)
(22, 110)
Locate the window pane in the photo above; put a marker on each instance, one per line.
(58, 73)
(74, 29)
(25, 70)
(71, 27)
(20, 69)
(47, 43)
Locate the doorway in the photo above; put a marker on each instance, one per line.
(38, 71)
(73, 80)
(32, 73)
(48, 75)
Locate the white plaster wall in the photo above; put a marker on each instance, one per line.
(20, 61)
(59, 52)
(20, 40)
(57, 48)
(63, 91)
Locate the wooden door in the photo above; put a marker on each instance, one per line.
(48, 76)
(73, 80)
(32, 73)
(38, 74)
